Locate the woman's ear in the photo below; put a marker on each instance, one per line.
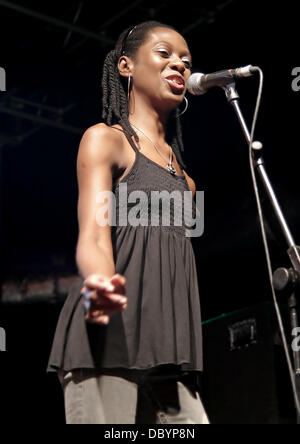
(125, 66)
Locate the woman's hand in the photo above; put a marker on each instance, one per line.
(105, 296)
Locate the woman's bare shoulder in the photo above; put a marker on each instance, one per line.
(100, 132)
(103, 128)
(101, 142)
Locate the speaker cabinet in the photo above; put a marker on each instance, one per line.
(246, 379)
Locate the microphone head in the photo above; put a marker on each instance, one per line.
(194, 84)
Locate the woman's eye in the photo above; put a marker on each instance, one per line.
(187, 63)
(163, 52)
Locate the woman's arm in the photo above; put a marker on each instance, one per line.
(97, 156)
(99, 149)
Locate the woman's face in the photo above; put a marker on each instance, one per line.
(161, 68)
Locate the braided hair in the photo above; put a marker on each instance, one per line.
(114, 102)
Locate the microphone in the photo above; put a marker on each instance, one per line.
(198, 83)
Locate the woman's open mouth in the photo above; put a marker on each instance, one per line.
(176, 83)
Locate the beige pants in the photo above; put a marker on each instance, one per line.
(113, 398)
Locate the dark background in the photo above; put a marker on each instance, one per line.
(60, 70)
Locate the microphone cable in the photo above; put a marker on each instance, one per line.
(266, 248)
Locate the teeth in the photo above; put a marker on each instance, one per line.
(176, 81)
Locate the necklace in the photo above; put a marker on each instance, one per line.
(169, 164)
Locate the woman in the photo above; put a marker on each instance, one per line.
(128, 344)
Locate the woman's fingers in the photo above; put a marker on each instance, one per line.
(119, 283)
(99, 311)
(100, 282)
(100, 297)
(104, 305)
(96, 282)
(101, 316)
(101, 319)
(103, 297)
(113, 301)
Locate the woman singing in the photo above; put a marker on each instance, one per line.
(128, 344)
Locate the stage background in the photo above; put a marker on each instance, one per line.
(53, 93)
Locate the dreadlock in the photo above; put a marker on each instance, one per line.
(114, 103)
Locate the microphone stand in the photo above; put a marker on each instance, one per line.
(283, 279)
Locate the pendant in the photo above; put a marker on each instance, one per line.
(171, 168)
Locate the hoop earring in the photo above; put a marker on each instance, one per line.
(185, 108)
(128, 88)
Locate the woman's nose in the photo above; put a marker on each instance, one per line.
(177, 63)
